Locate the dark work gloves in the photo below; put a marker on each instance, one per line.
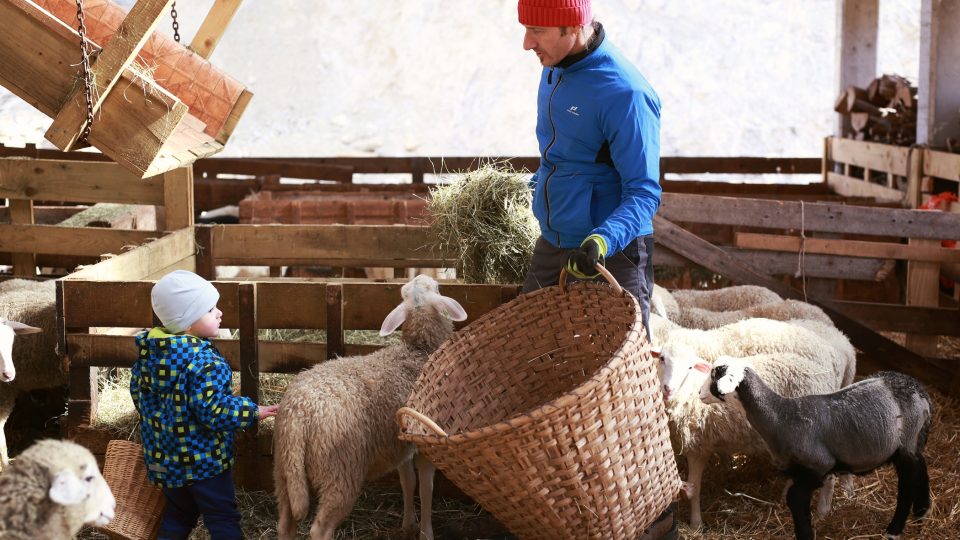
(582, 263)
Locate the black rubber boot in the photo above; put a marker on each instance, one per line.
(664, 527)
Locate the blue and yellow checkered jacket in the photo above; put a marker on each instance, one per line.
(180, 385)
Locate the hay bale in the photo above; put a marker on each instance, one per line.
(484, 217)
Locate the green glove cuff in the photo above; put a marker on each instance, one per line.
(601, 243)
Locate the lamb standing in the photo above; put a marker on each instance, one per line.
(802, 357)
(26, 307)
(50, 491)
(882, 419)
(335, 428)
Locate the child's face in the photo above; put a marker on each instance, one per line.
(208, 325)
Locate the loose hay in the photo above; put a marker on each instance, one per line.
(484, 217)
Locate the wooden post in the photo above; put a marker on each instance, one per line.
(21, 213)
(178, 198)
(923, 289)
(914, 177)
(249, 379)
(857, 22)
(335, 340)
(938, 103)
(205, 262)
(213, 26)
(83, 391)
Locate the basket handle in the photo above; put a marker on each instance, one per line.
(423, 419)
(603, 272)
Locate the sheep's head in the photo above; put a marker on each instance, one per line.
(681, 370)
(83, 486)
(8, 331)
(725, 379)
(420, 292)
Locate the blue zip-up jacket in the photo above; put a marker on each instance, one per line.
(180, 385)
(598, 125)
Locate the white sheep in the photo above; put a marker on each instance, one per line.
(335, 428)
(51, 490)
(822, 360)
(724, 299)
(882, 419)
(780, 310)
(26, 307)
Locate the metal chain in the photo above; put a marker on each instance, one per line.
(85, 62)
(176, 25)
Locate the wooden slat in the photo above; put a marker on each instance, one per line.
(21, 212)
(870, 155)
(740, 165)
(880, 350)
(819, 217)
(213, 27)
(941, 165)
(270, 243)
(249, 377)
(84, 241)
(262, 167)
(929, 321)
(930, 251)
(115, 57)
(234, 117)
(76, 181)
(178, 198)
(335, 336)
(855, 187)
(775, 263)
(143, 261)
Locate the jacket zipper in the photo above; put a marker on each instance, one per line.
(546, 181)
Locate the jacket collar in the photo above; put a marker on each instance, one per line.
(596, 40)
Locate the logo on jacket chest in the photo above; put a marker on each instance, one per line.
(574, 110)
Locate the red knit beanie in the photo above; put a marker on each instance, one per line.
(554, 12)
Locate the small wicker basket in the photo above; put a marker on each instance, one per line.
(139, 503)
(547, 411)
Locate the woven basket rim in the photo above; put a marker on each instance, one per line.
(541, 411)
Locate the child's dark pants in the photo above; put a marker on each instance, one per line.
(213, 498)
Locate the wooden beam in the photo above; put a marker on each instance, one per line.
(115, 57)
(213, 26)
(262, 167)
(878, 348)
(929, 251)
(76, 181)
(871, 155)
(858, 27)
(923, 289)
(234, 117)
(335, 334)
(941, 164)
(144, 260)
(849, 186)
(928, 321)
(938, 79)
(819, 217)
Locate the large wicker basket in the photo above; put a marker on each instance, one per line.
(139, 504)
(547, 411)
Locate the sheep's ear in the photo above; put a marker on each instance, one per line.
(20, 328)
(452, 309)
(394, 319)
(728, 378)
(67, 489)
(702, 367)
(655, 351)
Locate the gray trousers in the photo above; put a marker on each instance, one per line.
(632, 267)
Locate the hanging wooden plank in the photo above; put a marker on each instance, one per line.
(178, 198)
(213, 26)
(929, 252)
(880, 350)
(105, 71)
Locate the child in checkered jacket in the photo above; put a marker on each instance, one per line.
(181, 386)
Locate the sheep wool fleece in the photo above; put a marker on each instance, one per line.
(180, 385)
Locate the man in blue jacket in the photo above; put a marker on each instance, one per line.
(598, 126)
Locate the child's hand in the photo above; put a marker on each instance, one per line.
(266, 411)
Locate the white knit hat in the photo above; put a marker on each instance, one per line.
(180, 298)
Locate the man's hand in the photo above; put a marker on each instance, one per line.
(582, 263)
